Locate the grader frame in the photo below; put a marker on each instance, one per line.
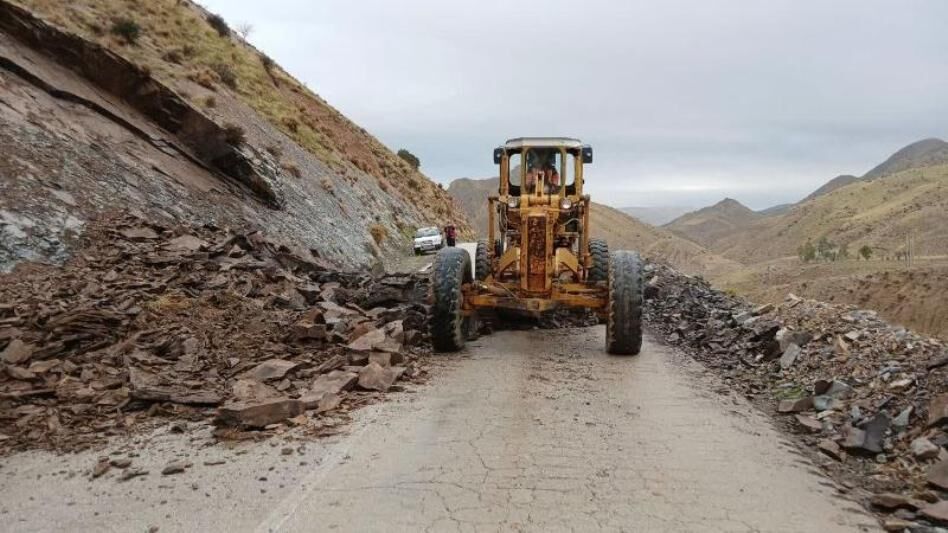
(539, 255)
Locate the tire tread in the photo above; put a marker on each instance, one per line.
(624, 313)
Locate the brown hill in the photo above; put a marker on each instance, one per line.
(882, 210)
(159, 107)
(620, 230)
(656, 215)
(778, 209)
(883, 214)
(924, 153)
(830, 186)
(708, 225)
(471, 195)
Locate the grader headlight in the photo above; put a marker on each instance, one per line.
(513, 202)
(566, 203)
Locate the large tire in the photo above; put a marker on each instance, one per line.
(599, 270)
(448, 326)
(481, 261)
(624, 313)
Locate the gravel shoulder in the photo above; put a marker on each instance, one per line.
(532, 430)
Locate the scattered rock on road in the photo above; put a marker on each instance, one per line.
(191, 322)
(852, 381)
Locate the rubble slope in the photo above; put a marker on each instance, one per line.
(149, 322)
(867, 398)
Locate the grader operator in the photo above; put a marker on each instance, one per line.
(538, 255)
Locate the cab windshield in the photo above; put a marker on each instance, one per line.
(426, 232)
(543, 165)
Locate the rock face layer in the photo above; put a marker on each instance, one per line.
(92, 124)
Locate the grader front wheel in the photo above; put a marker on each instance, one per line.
(449, 327)
(481, 261)
(624, 313)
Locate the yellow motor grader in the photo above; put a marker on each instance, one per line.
(538, 256)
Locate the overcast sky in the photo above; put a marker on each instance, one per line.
(685, 102)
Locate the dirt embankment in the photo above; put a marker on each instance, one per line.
(868, 397)
(910, 295)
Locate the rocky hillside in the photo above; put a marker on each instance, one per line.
(707, 226)
(161, 108)
(620, 230)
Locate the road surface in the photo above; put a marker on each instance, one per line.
(526, 431)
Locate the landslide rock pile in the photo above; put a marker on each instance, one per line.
(871, 397)
(148, 322)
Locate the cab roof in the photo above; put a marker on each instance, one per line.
(542, 142)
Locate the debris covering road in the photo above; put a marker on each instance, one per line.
(869, 399)
(529, 430)
(150, 322)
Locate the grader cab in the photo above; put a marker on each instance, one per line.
(538, 255)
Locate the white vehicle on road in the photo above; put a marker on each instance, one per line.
(427, 239)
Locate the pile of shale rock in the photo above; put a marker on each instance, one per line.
(151, 322)
(871, 397)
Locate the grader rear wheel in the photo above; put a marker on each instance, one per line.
(624, 313)
(449, 327)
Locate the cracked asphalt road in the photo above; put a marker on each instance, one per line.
(541, 431)
(525, 431)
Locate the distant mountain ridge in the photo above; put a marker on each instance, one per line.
(924, 153)
(830, 186)
(920, 154)
(656, 215)
(705, 226)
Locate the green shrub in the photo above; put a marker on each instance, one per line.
(127, 29)
(267, 62)
(409, 158)
(219, 24)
